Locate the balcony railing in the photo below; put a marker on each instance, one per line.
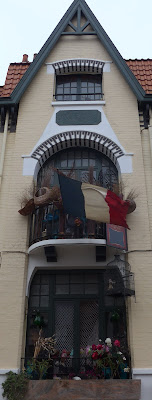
(68, 368)
(47, 222)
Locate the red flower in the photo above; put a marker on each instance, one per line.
(99, 347)
(117, 343)
(94, 347)
(95, 355)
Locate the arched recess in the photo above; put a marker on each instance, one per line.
(69, 139)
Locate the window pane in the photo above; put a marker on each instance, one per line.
(67, 85)
(84, 84)
(85, 162)
(91, 288)
(90, 97)
(45, 289)
(77, 162)
(97, 96)
(91, 90)
(90, 85)
(59, 91)
(97, 89)
(73, 84)
(62, 289)
(36, 279)
(44, 301)
(35, 289)
(76, 288)
(59, 98)
(66, 97)
(34, 301)
(63, 160)
(67, 90)
(84, 90)
(73, 90)
(91, 278)
(60, 279)
(44, 279)
(92, 162)
(76, 278)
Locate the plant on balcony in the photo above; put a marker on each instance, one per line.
(15, 386)
(108, 359)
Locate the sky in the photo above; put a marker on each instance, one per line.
(26, 25)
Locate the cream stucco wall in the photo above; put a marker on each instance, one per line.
(34, 113)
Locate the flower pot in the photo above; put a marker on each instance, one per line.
(107, 372)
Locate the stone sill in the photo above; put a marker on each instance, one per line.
(78, 103)
(111, 389)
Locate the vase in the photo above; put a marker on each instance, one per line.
(122, 374)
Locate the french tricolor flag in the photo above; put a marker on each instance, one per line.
(84, 200)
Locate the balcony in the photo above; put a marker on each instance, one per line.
(50, 223)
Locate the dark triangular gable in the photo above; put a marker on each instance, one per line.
(77, 8)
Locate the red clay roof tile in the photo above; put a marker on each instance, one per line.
(14, 75)
(142, 69)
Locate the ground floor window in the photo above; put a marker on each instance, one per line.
(75, 307)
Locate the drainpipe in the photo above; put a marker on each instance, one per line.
(3, 146)
(150, 132)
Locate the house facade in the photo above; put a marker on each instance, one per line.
(81, 109)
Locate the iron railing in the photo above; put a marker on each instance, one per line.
(69, 367)
(47, 222)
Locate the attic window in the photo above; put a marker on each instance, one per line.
(83, 87)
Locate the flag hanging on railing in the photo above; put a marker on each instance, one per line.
(84, 200)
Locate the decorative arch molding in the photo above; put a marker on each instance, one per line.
(77, 138)
(78, 65)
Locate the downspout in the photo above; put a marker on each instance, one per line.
(4, 146)
(150, 131)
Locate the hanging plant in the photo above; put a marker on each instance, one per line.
(115, 316)
(38, 320)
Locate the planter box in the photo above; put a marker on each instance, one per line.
(84, 390)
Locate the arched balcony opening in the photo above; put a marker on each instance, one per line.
(83, 164)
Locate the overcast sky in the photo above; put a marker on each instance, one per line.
(26, 25)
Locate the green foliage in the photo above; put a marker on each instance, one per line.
(15, 386)
(42, 367)
(37, 369)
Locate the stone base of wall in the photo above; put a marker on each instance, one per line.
(84, 390)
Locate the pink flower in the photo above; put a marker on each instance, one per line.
(88, 350)
(99, 347)
(117, 343)
(107, 349)
(94, 347)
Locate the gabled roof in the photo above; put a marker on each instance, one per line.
(77, 6)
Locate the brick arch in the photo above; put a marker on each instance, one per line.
(74, 139)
